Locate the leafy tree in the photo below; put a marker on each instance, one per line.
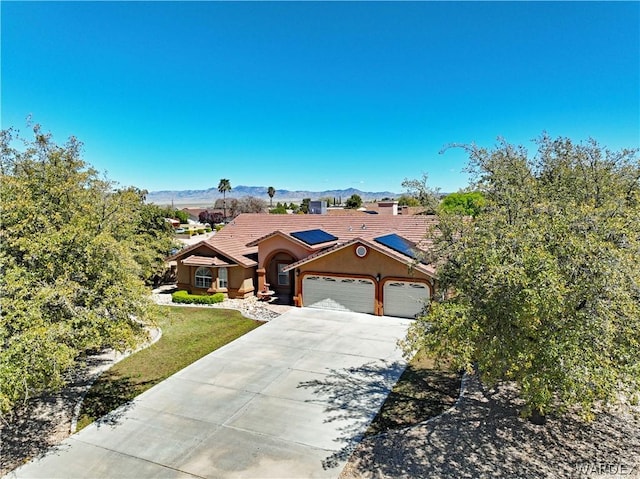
(223, 187)
(468, 203)
(354, 201)
(278, 210)
(304, 206)
(271, 191)
(406, 200)
(181, 216)
(427, 197)
(545, 283)
(74, 253)
(170, 212)
(151, 240)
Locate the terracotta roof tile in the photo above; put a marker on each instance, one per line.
(238, 240)
(345, 212)
(194, 260)
(292, 239)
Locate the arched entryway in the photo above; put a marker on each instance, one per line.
(279, 281)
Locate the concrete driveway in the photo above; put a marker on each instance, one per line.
(289, 399)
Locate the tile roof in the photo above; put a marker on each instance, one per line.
(194, 260)
(293, 239)
(345, 212)
(233, 250)
(238, 240)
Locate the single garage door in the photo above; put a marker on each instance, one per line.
(342, 294)
(404, 299)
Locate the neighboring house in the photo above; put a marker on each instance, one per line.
(194, 213)
(364, 263)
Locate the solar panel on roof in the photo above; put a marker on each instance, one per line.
(399, 244)
(313, 237)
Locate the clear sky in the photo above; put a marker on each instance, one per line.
(302, 95)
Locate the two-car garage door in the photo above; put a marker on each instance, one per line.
(343, 294)
(400, 298)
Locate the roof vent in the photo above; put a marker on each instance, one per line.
(364, 227)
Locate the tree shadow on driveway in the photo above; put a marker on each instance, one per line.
(353, 396)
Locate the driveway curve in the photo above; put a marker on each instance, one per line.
(289, 399)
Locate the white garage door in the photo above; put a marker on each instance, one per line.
(343, 294)
(404, 299)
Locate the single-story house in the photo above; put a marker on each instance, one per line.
(367, 263)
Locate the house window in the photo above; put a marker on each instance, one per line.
(203, 277)
(223, 280)
(283, 277)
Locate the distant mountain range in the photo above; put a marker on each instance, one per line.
(208, 197)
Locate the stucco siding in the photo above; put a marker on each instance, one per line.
(346, 261)
(279, 243)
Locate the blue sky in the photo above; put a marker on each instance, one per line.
(302, 95)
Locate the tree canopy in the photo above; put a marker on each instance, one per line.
(544, 284)
(468, 203)
(246, 204)
(354, 201)
(426, 196)
(74, 256)
(406, 200)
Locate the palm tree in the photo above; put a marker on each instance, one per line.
(223, 187)
(271, 191)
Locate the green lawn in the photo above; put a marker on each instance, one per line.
(187, 335)
(422, 392)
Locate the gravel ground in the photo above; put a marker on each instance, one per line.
(251, 307)
(482, 436)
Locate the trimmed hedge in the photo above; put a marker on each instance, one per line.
(184, 297)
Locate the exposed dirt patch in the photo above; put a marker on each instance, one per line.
(44, 421)
(422, 392)
(483, 436)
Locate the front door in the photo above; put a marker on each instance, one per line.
(280, 281)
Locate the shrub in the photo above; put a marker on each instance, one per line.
(219, 227)
(183, 297)
(278, 210)
(200, 231)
